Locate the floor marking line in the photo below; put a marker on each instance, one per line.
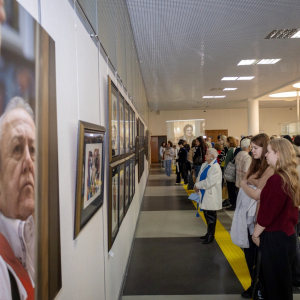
(233, 253)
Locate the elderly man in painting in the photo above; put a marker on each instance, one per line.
(17, 156)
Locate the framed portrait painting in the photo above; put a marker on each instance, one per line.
(122, 139)
(121, 193)
(89, 183)
(113, 121)
(127, 184)
(113, 204)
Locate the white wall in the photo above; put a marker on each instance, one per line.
(88, 272)
(235, 120)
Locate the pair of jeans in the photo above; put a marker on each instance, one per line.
(168, 167)
(197, 170)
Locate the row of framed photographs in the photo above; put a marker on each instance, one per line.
(121, 125)
(121, 192)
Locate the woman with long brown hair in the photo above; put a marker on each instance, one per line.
(276, 220)
(258, 174)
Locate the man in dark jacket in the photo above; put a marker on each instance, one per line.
(182, 159)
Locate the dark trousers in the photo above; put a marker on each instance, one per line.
(250, 255)
(211, 220)
(191, 181)
(232, 193)
(277, 255)
(177, 174)
(296, 264)
(183, 171)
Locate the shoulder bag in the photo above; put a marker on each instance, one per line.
(230, 171)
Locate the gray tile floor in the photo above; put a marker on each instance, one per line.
(162, 230)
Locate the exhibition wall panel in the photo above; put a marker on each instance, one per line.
(88, 270)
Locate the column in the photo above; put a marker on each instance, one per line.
(253, 117)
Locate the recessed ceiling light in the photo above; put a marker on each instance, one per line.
(229, 78)
(268, 61)
(296, 35)
(220, 96)
(296, 85)
(207, 96)
(247, 62)
(246, 78)
(284, 95)
(283, 33)
(229, 89)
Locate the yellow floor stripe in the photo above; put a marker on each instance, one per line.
(233, 253)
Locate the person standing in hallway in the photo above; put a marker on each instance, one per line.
(258, 174)
(190, 160)
(277, 217)
(169, 153)
(181, 160)
(199, 153)
(162, 154)
(242, 161)
(208, 185)
(231, 185)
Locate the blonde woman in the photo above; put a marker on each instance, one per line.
(276, 220)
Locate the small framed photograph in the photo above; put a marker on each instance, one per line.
(121, 193)
(136, 150)
(133, 177)
(133, 130)
(122, 124)
(127, 184)
(113, 121)
(131, 161)
(127, 127)
(89, 183)
(113, 218)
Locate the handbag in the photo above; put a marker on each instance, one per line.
(225, 193)
(230, 171)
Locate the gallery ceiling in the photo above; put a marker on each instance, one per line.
(186, 47)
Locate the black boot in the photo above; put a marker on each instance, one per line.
(204, 237)
(211, 218)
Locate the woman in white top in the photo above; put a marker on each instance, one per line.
(208, 185)
(242, 162)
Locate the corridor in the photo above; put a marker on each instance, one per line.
(169, 261)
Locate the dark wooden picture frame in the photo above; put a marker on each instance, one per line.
(89, 196)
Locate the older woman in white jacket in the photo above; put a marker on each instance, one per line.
(208, 185)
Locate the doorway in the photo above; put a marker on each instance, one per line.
(156, 141)
(213, 134)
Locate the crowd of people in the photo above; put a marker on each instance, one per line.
(260, 175)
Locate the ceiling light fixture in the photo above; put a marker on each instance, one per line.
(268, 61)
(229, 89)
(296, 85)
(247, 62)
(296, 35)
(213, 96)
(207, 96)
(246, 78)
(283, 33)
(219, 96)
(284, 95)
(229, 78)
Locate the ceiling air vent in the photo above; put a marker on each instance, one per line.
(282, 33)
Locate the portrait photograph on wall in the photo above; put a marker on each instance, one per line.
(121, 194)
(127, 127)
(113, 204)
(29, 125)
(114, 121)
(122, 124)
(89, 181)
(186, 130)
(133, 130)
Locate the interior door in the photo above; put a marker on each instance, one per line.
(154, 149)
(213, 134)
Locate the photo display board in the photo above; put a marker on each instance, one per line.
(121, 125)
(121, 193)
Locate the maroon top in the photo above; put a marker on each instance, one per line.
(277, 211)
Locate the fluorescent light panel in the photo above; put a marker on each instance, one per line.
(296, 35)
(268, 61)
(247, 62)
(229, 89)
(229, 78)
(214, 96)
(246, 78)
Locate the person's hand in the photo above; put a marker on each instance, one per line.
(256, 240)
(195, 189)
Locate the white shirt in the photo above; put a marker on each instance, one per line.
(20, 235)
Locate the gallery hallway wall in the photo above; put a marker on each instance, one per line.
(88, 271)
